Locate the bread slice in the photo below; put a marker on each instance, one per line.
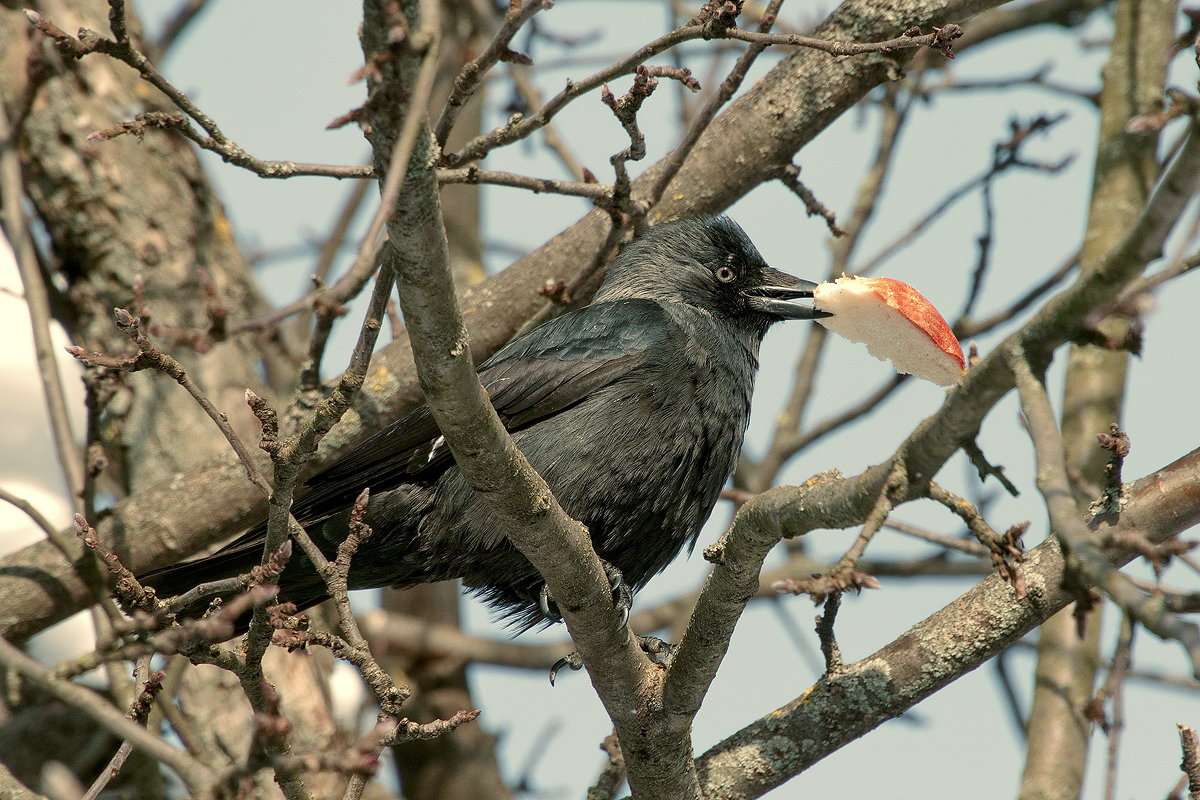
(895, 322)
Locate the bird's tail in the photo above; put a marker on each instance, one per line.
(297, 584)
(180, 578)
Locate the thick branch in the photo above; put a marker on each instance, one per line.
(557, 545)
(931, 654)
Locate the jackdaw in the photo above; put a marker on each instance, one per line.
(632, 408)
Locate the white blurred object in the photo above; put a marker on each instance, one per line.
(35, 475)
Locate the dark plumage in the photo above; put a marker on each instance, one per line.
(633, 410)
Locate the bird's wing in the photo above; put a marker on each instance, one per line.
(536, 376)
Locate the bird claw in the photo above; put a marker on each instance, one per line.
(622, 598)
(658, 651)
(549, 609)
(622, 595)
(571, 660)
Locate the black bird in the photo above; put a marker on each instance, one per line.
(633, 409)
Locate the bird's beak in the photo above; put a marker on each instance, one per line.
(782, 295)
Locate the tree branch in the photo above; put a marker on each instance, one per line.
(931, 654)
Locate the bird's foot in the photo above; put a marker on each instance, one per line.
(622, 595)
(622, 598)
(548, 607)
(658, 651)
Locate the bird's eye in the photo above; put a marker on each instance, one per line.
(725, 274)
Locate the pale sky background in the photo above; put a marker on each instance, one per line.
(273, 73)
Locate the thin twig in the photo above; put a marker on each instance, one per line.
(531, 98)
(37, 301)
(948, 542)
(344, 288)
(897, 479)
(1006, 551)
(829, 645)
(473, 72)
(139, 711)
(520, 127)
(474, 175)
(1114, 685)
(352, 646)
(940, 39)
(789, 176)
(1009, 158)
(151, 357)
(1083, 555)
(966, 328)
(55, 536)
(332, 243)
(196, 776)
(705, 115)
(121, 48)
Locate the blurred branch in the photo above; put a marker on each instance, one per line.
(1114, 690)
(122, 49)
(139, 711)
(410, 634)
(472, 73)
(37, 302)
(12, 788)
(199, 778)
(966, 328)
(1006, 156)
(176, 25)
(531, 98)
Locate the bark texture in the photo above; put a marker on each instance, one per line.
(1126, 168)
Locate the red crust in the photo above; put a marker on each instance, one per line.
(920, 312)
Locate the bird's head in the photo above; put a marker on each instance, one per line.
(709, 263)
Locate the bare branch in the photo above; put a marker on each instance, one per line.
(198, 777)
(474, 175)
(931, 654)
(473, 72)
(176, 25)
(151, 357)
(122, 49)
(1190, 764)
(1083, 555)
(912, 39)
(38, 303)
